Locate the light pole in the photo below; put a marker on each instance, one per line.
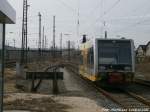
(68, 42)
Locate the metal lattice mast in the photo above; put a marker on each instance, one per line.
(43, 39)
(24, 33)
(39, 43)
(54, 46)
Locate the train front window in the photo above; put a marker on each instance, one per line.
(113, 52)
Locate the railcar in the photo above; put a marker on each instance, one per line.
(108, 61)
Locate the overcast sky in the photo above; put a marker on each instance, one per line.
(126, 18)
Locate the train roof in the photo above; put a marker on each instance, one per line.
(91, 42)
(123, 39)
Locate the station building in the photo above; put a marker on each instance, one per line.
(7, 16)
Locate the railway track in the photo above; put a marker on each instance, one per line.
(140, 92)
(139, 97)
(126, 99)
(142, 82)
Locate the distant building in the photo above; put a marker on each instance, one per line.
(148, 49)
(143, 51)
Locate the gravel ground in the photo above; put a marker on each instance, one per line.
(10, 81)
(74, 96)
(77, 93)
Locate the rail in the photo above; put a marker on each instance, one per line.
(126, 99)
(142, 82)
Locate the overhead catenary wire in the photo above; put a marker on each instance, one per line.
(105, 12)
(132, 25)
(137, 23)
(126, 18)
(93, 10)
(67, 6)
(140, 6)
(113, 6)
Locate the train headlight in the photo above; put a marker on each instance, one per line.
(127, 68)
(102, 67)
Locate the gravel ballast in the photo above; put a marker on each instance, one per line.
(75, 95)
